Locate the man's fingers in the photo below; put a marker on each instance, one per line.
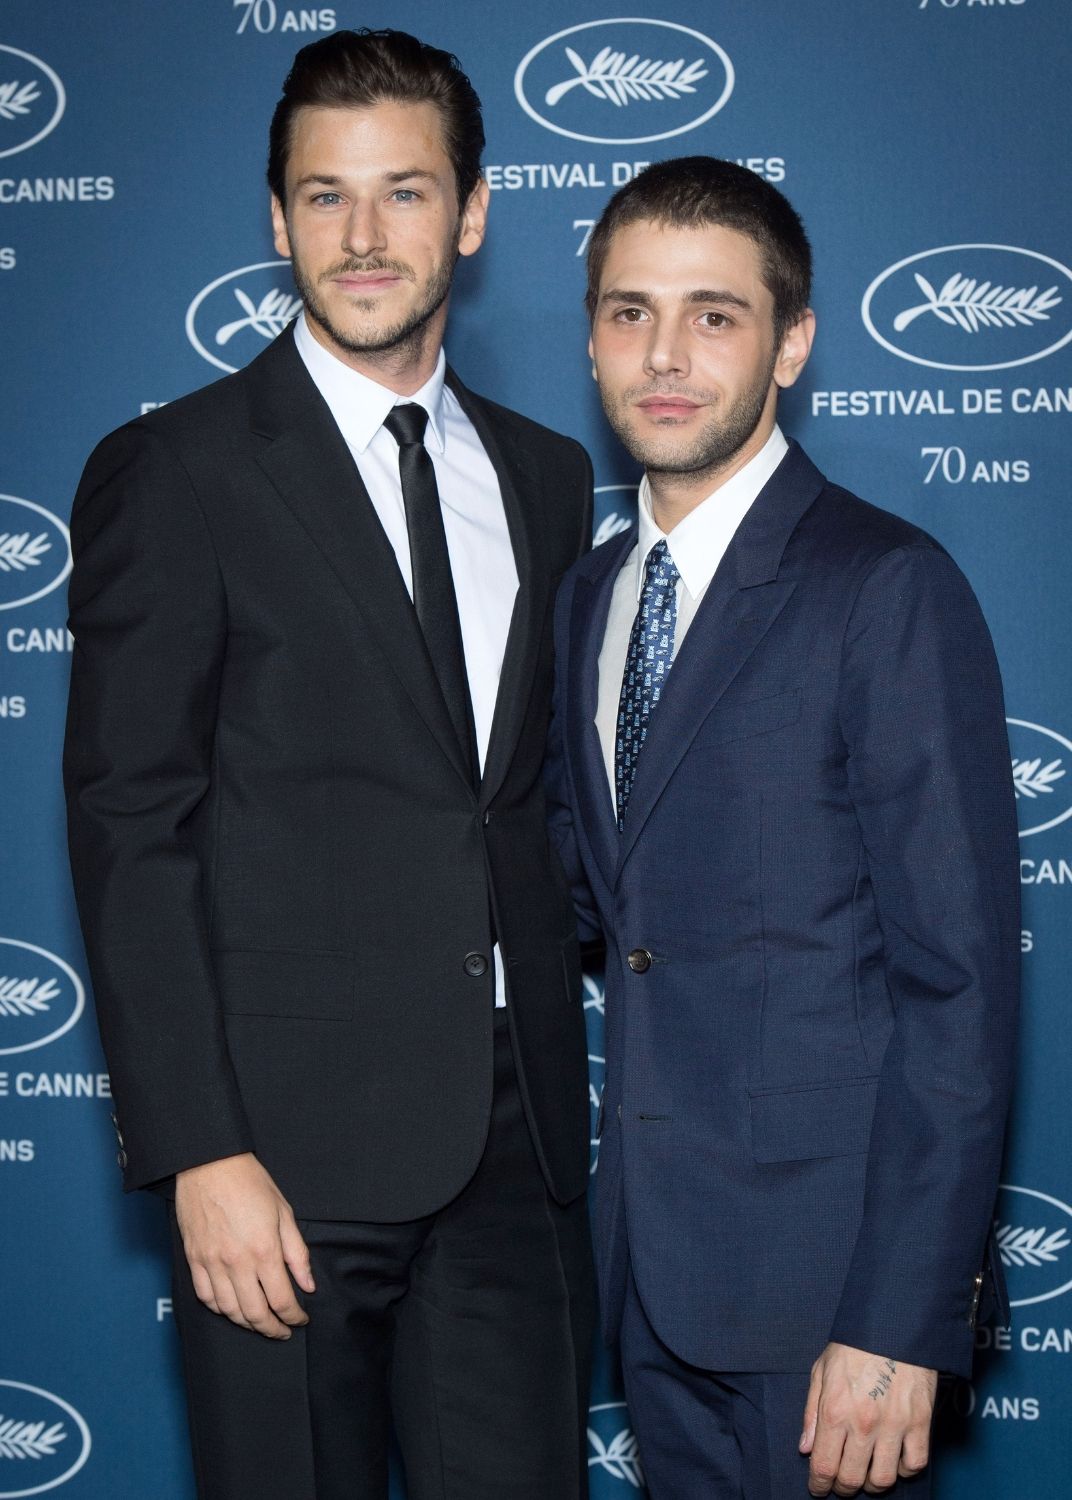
(203, 1287)
(825, 1457)
(882, 1474)
(915, 1452)
(279, 1290)
(811, 1408)
(852, 1470)
(295, 1252)
(226, 1299)
(254, 1305)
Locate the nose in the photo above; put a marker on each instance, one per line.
(667, 351)
(363, 232)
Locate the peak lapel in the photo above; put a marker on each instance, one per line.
(521, 502)
(311, 468)
(592, 595)
(742, 602)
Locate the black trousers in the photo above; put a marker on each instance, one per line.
(470, 1330)
(720, 1436)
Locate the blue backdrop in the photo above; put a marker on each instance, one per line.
(924, 142)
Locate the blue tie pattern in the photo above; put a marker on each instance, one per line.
(647, 666)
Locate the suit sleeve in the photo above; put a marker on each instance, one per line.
(928, 768)
(148, 614)
(558, 786)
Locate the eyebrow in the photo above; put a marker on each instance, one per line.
(621, 297)
(327, 179)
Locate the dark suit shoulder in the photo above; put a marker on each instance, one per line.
(853, 534)
(217, 407)
(515, 427)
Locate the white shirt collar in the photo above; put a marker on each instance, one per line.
(359, 404)
(698, 543)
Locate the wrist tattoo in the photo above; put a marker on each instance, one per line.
(884, 1381)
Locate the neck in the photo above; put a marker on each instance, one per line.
(675, 496)
(402, 368)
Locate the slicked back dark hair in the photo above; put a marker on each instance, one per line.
(691, 192)
(356, 69)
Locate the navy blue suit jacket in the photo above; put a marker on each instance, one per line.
(806, 1090)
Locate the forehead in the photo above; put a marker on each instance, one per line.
(389, 136)
(653, 257)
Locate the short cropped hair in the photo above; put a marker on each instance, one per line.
(690, 192)
(356, 69)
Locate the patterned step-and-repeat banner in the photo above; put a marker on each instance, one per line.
(925, 143)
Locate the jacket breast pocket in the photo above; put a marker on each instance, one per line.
(825, 1119)
(752, 716)
(286, 982)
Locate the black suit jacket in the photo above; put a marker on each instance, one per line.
(281, 867)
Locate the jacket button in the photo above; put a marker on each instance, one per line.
(639, 960)
(476, 965)
(121, 1158)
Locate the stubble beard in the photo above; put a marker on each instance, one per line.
(403, 340)
(712, 449)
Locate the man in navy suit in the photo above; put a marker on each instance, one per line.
(781, 782)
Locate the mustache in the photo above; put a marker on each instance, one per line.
(353, 266)
(668, 388)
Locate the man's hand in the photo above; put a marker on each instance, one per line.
(867, 1421)
(240, 1238)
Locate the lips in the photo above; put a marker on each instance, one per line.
(368, 281)
(667, 406)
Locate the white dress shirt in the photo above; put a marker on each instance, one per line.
(474, 519)
(697, 545)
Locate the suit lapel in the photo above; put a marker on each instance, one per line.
(744, 599)
(311, 468)
(521, 502)
(592, 595)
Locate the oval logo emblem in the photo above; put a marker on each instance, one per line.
(615, 513)
(231, 319)
(624, 82)
(971, 307)
(1034, 1235)
(597, 1068)
(612, 1445)
(1041, 776)
(32, 100)
(36, 1425)
(41, 997)
(35, 552)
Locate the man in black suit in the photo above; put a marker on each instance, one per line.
(334, 959)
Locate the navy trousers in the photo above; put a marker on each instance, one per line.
(716, 1436)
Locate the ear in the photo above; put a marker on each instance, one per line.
(796, 346)
(280, 236)
(474, 220)
(592, 357)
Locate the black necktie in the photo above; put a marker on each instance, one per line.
(433, 584)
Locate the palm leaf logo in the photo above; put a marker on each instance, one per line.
(18, 551)
(617, 79)
(29, 1439)
(268, 318)
(1030, 1247)
(620, 1458)
(15, 100)
(971, 305)
(1032, 779)
(26, 997)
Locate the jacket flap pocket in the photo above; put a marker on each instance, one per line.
(286, 982)
(736, 721)
(826, 1119)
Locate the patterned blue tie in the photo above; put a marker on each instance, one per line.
(647, 666)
